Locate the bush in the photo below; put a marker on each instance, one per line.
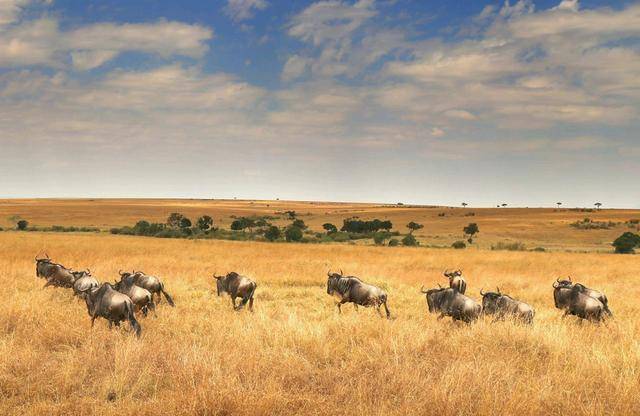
(539, 249)
(394, 242)
(354, 225)
(299, 224)
(22, 225)
(409, 240)
(471, 230)
(626, 243)
(330, 228)
(459, 245)
(340, 237)
(588, 224)
(293, 233)
(378, 238)
(204, 223)
(413, 226)
(185, 223)
(174, 219)
(272, 233)
(515, 246)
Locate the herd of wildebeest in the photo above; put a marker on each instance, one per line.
(137, 291)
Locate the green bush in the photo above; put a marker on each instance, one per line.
(22, 225)
(409, 240)
(299, 224)
(459, 245)
(626, 243)
(293, 234)
(394, 242)
(272, 233)
(330, 228)
(539, 249)
(340, 237)
(204, 223)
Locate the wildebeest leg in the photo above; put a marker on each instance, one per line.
(152, 306)
(355, 306)
(93, 320)
(144, 311)
(251, 303)
(233, 302)
(441, 316)
(49, 283)
(386, 308)
(110, 324)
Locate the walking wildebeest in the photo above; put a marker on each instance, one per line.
(501, 306)
(56, 274)
(108, 303)
(236, 286)
(352, 289)
(141, 297)
(456, 281)
(84, 282)
(450, 302)
(584, 306)
(151, 283)
(562, 294)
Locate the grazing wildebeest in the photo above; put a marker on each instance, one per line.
(450, 302)
(151, 283)
(562, 294)
(352, 289)
(112, 305)
(456, 281)
(141, 297)
(236, 286)
(84, 282)
(584, 306)
(56, 274)
(501, 306)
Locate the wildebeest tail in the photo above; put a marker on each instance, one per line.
(132, 319)
(166, 295)
(250, 295)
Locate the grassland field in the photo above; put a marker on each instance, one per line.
(295, 354)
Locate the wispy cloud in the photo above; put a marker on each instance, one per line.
(239, 10)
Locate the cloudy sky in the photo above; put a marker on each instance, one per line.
(526, 102)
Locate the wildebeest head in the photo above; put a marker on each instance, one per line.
(564, 283)
(490, 301)
(332, 279)
(434, 298)
(456, 280)
(222, 282)
(78, 274)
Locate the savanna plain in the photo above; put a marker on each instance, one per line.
(295, 354)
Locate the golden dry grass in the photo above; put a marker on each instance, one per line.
(545, 227)
(295, 354)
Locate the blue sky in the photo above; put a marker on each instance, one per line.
(437, 102)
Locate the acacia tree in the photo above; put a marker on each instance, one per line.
(471, 230)
(205, 222)
(598, 205)
(330, 228)
(558, 204)
(413, 226)
(174, 219)
(464, 205)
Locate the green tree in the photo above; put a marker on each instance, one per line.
(471, 230)
(22, 225)
(330, 228)
(205, 222)
(174, 219)
(459, 244)
(293, 233)
(291, 214)
(185, 223)
(299, 223)
(413, 226)
(272, 233)
(626, 243)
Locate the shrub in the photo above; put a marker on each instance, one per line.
(22, 225)
(378, 238)
(354, 225)
(204, 223)
(409, 240)
(503, 245)
(330, 228)
(340, 237)
(293, 233)
(413, 226)
(174, 219)
(299, 224)
(588, 224)
(459, 245)
(272, 233)
(539, 249)
(626, 243)
(394, 242)
(185, 223)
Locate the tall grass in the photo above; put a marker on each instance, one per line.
(295, 354)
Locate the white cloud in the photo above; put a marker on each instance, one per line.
(294, 67)
(239, 10)
(569, 5)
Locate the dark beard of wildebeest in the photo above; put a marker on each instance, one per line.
(352, 289)
(450, 302)
(236, 286)
(456, 281)
(141, 297)
(151, 283)
(584, 306)
(562, 295)
(502, 306)
(56, 274)
(112, 305)
(84, 282)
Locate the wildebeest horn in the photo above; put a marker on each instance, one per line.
(459, 272)
(481, 292)
(569, 278)
(88, 271)
(440, 286)
(46, 255)
(422, 289)
(120, 272)
(341, 272)
(446, 272)
(499, 293)
(329, 273)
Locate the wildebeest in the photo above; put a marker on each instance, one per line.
(83, 282)
(56, 274)
(108, 303)
(584, 306)
(141, 297)
(151, 283)
(450, 302)
(236, 286)
(456, 281)
(502, 306)
(352, 289)
(562, 294)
